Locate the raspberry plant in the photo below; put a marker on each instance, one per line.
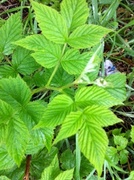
(50, 90)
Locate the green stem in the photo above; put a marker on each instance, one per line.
(78, 159)
(7, 59)
(56, 67)
(45, 88)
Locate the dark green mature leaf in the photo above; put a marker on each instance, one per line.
(10, 32)
(50, 56)
(22, 62)
(93, 143)
(32, 113)
(86, 36)
(70, 126)
(67, 159)
(3, 132)
(94, 95)
(14, 91)
(101, 115)
(116, 87)
(42, 160)
(17, 139)
(36, 42)
(7, 71)
(6, 162)
(6, 112)
(52, 24)
(56, 111)
(73, 62)
(75, 12)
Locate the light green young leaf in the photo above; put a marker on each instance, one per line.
(120, 142)
(52, 24)
(17, 139)
(6, 112)
(75, 12)
(36, 42)
(101, 115)
(66, 175)
(6, 162)
(94, 95)
(56, 111)
(116, 87)
(87, 36)
(73, 62)
(10, 32)
(70, 126)
(50, 56)
(132, 134)
(4, 178)
(93, 143)
(52, 170)
(14, 91)
(22, 62)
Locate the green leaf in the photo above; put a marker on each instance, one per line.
(10, 32)
(17, 139)
(51, 171)
(7, 71)
(91, 70)
(73, 62)
(70, 126)
(94, 95)
(32, 113)
(116, 85)
(66, 175)
(101, 115)
(14, 91)
(61, 78)
(124, 156)
(36, 42)
(132, 133)
(86, 36)
(23, 63)
(4, 178)
(120, 142)
(36, 142)
(93, 143)
(75, 12)
(3, 132)
(50, 56)
(6, 162)
(52, 24)
(6, 112)
(67, 159)
(56, 111)
(112, 154)
(38, 160)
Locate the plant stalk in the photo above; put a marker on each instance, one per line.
(78, 159)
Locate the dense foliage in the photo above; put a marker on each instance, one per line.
(58, 109)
